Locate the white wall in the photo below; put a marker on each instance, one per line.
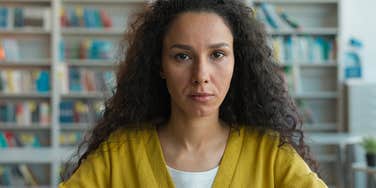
(359, 20)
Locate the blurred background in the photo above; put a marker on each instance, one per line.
(57, 62)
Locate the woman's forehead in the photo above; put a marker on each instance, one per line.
(198, 27)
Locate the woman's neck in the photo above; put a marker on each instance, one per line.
(195, 133)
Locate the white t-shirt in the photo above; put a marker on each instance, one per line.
(183, 179)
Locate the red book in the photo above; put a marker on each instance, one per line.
(10, 139)
(106, 20)
(2, 54)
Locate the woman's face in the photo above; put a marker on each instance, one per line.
(197, 63)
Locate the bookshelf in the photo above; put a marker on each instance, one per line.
(306, 39)
(325, 92)
(52, 46)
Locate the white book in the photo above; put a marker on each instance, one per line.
(62, 78)
(38, 17)
(11, 49)
(17, 80)
(44, 109)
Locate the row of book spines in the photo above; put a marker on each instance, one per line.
(9, 49)
(87, 49)
(275, 18)
(9, 139)
(25, 113)
(80, 112)
(17, 175)
(85, 17)
(84, 80)
(306, 112)
(18, 17)
(21, 81)
(70, 138)
(304, 48)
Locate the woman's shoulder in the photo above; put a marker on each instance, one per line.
(264, 140)
(134, 133)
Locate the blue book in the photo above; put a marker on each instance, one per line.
(66, 112)
(3, 17)
(75, 80)
(3, 112)
(86, 17)
(61, 50)
(269, 14)
(5, 175)
(11, 112)
(3, 141)
(73, 18)
(18, 17)
(43, 82)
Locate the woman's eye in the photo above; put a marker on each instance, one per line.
(217, 55)
(182, 57)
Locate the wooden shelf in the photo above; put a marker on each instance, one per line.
(27, 155)
(316, 95)
(318, 65)
(327, 158)
(90, 63)
(361, 167)
(91, 95)
(75, 126)
(25, 95)
(25, 31)
(305, 31)
(28, 62)
(315, 64)
(105, 2)
(19, 127)
(312, 127)
(25, 1)
(93, 31)
(297, 1)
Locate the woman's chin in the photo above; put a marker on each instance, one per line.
(202, 112)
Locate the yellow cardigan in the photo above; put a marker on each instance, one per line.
(252, 158)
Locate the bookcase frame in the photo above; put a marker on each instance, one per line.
(319, 130)
(56, 154)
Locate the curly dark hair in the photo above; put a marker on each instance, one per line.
(257, 96)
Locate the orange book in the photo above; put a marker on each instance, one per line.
(2, 53)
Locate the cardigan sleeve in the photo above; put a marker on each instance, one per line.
(292, 171)
(93, 171)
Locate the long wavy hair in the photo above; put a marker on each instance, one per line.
(257, 96)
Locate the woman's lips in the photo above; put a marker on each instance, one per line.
(201, 97)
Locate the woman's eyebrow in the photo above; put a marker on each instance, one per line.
(219, 45)
(187, 47)
(181, 46)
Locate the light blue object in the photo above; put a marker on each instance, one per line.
(353, 60)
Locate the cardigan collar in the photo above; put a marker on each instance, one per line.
(226, 168)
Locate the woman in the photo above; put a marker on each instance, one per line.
(198, 103)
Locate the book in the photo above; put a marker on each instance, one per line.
(21, 81)
(43, 82)
(32, 17)
(289, 20)
(4, 16)
(27, 175)
(272, 17)
(303, 49)
(62, 77)
(2, 53)
(70, 138)
(85, 17)
(25, 113)
(11, 49)
(66, 112)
